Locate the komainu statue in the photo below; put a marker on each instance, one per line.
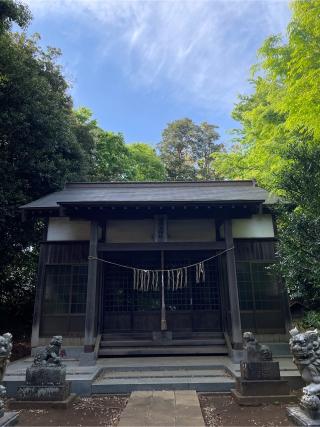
(305, 348)
(46, 377)
(253, 351)
(5, 353)
(50, 356)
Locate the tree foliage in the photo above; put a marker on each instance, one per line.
(111, 158)
(145, 163)
(38, 144)
(278, 143)
(12, 11)
(186, 150)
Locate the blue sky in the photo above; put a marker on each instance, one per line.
(141, 64)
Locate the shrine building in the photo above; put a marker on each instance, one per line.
(152, 268)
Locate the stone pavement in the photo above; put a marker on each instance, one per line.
(162, 408)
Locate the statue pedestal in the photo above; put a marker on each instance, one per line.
(42, 404)
(9, 419)
(260, 383)
(302, 417)
(45, 386)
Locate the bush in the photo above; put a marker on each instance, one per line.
(311, 320)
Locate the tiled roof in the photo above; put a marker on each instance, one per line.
(152, 192)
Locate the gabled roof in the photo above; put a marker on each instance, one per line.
(107, 193)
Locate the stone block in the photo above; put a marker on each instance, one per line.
(43, 393)
(262, 388)
(87, 359)
(265, 370)
(262, 400)
(301, 417)
(39, 376)
(42, 404)
(162, 335)
(9, 419)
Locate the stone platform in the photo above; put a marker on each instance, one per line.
(300, 417)
(42, 404)
(177, 372)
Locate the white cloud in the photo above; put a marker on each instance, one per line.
(201, 49)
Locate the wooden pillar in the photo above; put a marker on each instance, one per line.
(91, 305)
(233, 287)
(38, 298)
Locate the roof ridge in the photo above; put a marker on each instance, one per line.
(160, 183)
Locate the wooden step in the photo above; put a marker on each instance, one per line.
(162, 350)
(148, 335)
(155, 343)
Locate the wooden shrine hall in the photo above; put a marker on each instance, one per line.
(131, 268)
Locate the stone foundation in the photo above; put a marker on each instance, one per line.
(42, 404)
(39, 375)
(262, 388)
(262, 400)
(9, 419)
(43, 393)
(267, 370)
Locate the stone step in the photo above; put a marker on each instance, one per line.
(163, 350)
(160, 373)
(148, 335)
(154, 343)
(128, 385)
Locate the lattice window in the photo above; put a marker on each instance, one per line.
(258, 287)
(197, 296)
(119, 295)
(118, 283)
(65, 289)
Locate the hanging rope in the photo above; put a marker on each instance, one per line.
(177, 278)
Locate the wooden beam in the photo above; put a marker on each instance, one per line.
(166, 246)
(91, 304)
(233, 287)
(160, 228)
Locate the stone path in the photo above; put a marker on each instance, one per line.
(162, 408)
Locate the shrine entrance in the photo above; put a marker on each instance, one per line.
(194, 308)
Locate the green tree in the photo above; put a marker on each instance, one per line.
(38, 145)
(299, 222)
(186, 150)
(204, 149)
(278, 143)
(111, 159)
(146, 165)
(12, 11)
(176, 149)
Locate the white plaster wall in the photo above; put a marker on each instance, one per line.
(62, 228)
(258, 226)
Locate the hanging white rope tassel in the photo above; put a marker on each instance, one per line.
(197, 273)
(176, 278)
(202, 272)
(168, 280)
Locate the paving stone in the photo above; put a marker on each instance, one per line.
(183, 421)
(162, 408)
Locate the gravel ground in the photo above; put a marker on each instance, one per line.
(222, 410)
(86, 411)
